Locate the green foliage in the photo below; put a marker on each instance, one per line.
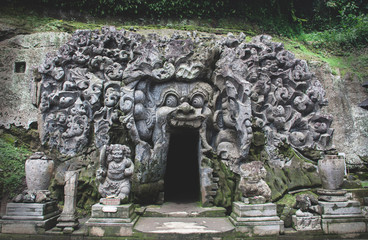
(342, 22)
(12, 160)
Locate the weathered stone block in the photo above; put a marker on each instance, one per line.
(113, 211)
(256, 219)
(111, 220)
(342, 224)
(30, 218)
(28, 226)
(31, 211)
(254, 210)
(340, 208)
(307, 223)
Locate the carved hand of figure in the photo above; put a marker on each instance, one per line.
(101, 175)
(129, 167)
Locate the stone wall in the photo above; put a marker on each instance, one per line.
(17, 96)
(19, 56)
(350, 122)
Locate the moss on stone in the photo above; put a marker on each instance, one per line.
(227, 184)
(297, 172)
(259, 139)
(287, 200)
(145, 193)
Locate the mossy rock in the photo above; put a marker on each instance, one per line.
(287, 200)
(259, 139)
(297, 172)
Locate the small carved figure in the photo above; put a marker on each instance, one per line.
(252, 185)
(116, 169)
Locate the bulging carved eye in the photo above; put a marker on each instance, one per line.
(171, 100)
(197, 101)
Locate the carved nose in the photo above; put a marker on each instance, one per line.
(185, 108)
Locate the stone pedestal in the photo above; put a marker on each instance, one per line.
(306, 223)
(332, 195)
(68, 220)
(256, 219)
(30, 218)
(342, 217)
(111, 220)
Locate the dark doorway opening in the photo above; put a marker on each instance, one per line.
(182, 169)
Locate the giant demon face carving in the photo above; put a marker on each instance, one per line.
(223, 89)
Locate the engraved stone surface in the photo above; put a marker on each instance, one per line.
(152, 85)
(110, 201)
(306, 223)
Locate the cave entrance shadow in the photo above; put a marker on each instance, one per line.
(182, 169)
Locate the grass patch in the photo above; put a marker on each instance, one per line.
(12, 160)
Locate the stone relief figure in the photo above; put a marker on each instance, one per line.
(252, 184)
(115, 172)
(222, 88)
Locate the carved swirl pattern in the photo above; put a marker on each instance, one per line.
(223, 88)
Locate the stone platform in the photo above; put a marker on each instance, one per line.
(342, 217)
(256, 219)
(171, 209)
(30, 218)
(111, 220)
(183, 225)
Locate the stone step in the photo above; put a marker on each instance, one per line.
(170, 225)
(183, 210)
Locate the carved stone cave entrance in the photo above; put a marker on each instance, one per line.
(182, 170)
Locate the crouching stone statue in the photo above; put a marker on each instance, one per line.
(115, 172)
(252, 184)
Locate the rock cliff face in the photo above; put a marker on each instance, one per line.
(19, 56)
(350, 122)
(165, 79)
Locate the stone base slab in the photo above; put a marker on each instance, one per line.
(343, 224)
(327, 198)
(259, 228)
(340, 208)
(111, 220)
(331, 192)
(256, 219)
(28, 226)
(307, 223)
(254, 210)
(30, 218)
(31, 211)
(125, 211)
(105, 229)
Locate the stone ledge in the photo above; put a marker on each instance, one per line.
(112, 211)
(33, 217)
(259, 228)
(28, 226)
(254, 210)
(344, 226)
(340, 208)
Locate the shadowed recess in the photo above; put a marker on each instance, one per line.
(182, 171)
